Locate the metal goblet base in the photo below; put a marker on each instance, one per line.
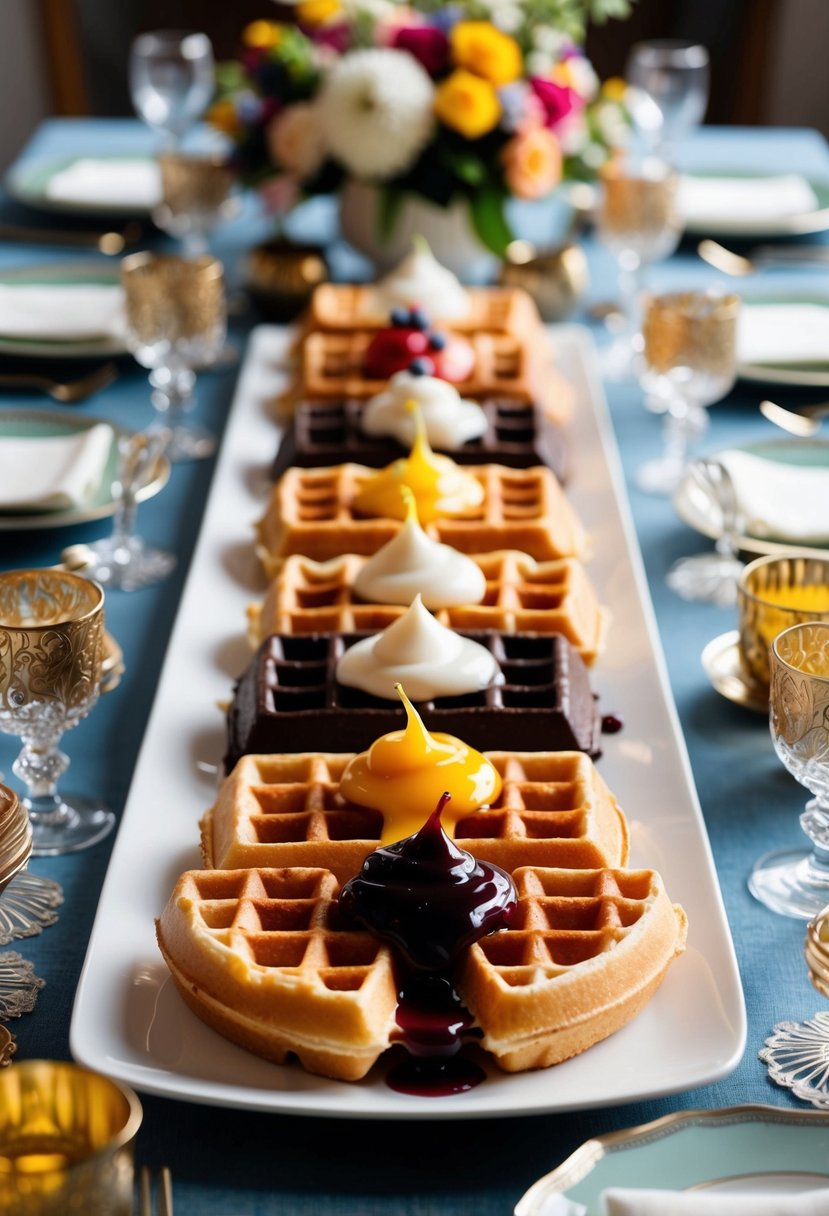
(189, 443)
(710, 577)
(127, 563)
(77, 824)
(785, 882)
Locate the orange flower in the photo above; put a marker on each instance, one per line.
(532, 163)
(467, 104)
(486, 51)
(222, 115)
(261, 35)
(318, 12)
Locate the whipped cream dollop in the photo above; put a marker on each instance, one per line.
(411, 563)
(420, 653)
(421, 280)
(450, 420)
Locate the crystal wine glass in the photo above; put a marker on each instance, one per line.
(638, 222)
(712, 577)
(172, 79)
(196, 196)
(175, 321)
(51, 651)
(795, 882)
(689, 361)
(668, 91)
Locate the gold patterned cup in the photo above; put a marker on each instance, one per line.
(795, 882)
(638, 209)
(66, 1141)
(196, 196)
(774, 593)
(51, 656)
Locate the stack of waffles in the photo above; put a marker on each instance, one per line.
(256, 941)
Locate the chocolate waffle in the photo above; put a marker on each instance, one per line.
(344, 307)
(275, 810)
(263, 957)
(522, 596)
(505, 366)
(288, 699)
(310, 512)
(517, 436)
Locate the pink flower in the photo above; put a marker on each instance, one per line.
(428, 45)
(558, 100)
(532, 163)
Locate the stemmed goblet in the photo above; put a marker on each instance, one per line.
(638, 222)
(712, 577)
(689, 361)
(175, 320)
(795, 882)
(668, 90)
(51, 652)
(172, 79)
(196, 196)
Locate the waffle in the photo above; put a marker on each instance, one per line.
(289, 698)
(522, 596)
(262, 956)
(517, 435)
(554, 810)
(519, 368)
(344, 307)
(310, 512)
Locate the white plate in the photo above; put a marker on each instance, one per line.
(28, 182)
(56, 274)
(129, 1021)
(745, 1150)
(802, 374)
(735, 225)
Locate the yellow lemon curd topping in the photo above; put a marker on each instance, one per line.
(439, 486)
(406, 771)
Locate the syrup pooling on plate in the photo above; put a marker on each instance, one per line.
(439, 486)
(407, 769)
(411, 563)
(431, 900)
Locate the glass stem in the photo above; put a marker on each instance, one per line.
(630, 290)
(172, 392)
(39, 766)
(815, 823)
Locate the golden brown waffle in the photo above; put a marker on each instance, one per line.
(505, 366)
(310, 513)
(554, 810)
(262, 956)
(587, 950)
(522, 596)
(498, 310)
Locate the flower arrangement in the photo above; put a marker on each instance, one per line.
(478, 99)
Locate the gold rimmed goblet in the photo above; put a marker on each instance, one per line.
(51, 651)
(196, 196)
(175, 321)
(795, 882)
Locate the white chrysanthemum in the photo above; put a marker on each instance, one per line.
(375, 111)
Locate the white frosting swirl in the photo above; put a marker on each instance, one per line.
(412, 562)
(450, 420)
(420, 281)
(424, 656)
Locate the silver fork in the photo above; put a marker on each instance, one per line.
(163, 1196)
(68, 392)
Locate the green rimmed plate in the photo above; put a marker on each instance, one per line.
(20, 423)
(740, 1149)
(62, 274)
(805, 374)
(28, 182)
(797, 224)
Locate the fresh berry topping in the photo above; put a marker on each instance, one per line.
(437, 341)
(399, 317)
(418, 318)
(422, 366)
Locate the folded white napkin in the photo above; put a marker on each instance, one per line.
(55, 472)
(629, 1202)
(783, 333)
(780, 501)
(711, 199)
(113, 180)
(62, 312)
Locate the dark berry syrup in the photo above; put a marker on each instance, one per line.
(430, 900)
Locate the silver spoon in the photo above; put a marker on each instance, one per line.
(740, 265)
(803, 422)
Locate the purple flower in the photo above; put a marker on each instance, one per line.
(556, 99)
(429, 46)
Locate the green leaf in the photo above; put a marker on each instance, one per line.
(388, 209)
(486, 209)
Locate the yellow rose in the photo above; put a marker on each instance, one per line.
(222, 115)
(261, 35)
(532, 163)
(614, 89)
(317, 12)
(467, 104)
(486, 51)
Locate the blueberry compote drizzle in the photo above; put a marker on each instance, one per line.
(430, 900)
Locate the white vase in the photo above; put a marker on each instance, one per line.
(448, 231)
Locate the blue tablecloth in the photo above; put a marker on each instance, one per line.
(233, 1162)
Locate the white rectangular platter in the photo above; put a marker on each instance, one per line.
(129, 1021)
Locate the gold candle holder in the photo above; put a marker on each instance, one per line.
(774, 593)
(557, 279)
(66, 1141)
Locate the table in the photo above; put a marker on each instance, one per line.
(237, 1163)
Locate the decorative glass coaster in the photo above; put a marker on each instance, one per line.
(19, 985)
(797, 1056)
(27, 906)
